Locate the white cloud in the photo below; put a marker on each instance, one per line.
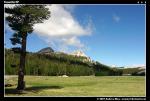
(62, 29)
(73, 41)
(116, 18)
(61, 23)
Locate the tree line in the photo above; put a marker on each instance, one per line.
(51, 65)
(57, 64)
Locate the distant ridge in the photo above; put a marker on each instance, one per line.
(46, 50)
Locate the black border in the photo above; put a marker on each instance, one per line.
(82, 98)
(1, 52)
(76, 2)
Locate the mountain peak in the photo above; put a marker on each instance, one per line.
(46, 50)
(79, 53)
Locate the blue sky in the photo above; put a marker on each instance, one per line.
(110, 34)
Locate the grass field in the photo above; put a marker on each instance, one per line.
(78, 86)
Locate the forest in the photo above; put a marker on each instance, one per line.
(53, 64)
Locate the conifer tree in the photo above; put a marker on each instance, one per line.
(21, 19)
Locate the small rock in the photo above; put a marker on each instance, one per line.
(64, 76)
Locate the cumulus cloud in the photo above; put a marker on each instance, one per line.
(61, 23)
(62, 28)
(116, 18)
(73, 41)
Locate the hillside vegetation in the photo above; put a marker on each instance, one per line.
(56, 64)
(51, 64)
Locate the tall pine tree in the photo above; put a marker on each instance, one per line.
(21, 19)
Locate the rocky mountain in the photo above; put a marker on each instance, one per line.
(46, 50)
(79, 53)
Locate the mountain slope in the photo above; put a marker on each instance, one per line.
(55, 64)
(48, 64)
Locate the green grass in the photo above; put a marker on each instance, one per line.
(79, 86)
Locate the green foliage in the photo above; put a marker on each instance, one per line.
(22, 18)
(138, 74)
(104, 70)
(59, 64)
(115, 72)
(102, 73)
(48, 64)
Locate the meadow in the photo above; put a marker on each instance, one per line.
(78, 86)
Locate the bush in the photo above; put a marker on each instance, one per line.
(102, 73)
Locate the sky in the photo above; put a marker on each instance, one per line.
(111, 34)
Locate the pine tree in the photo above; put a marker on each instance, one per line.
(21, 19)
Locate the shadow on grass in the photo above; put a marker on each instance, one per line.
(30, 89)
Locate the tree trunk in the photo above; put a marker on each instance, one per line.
(21, 82)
